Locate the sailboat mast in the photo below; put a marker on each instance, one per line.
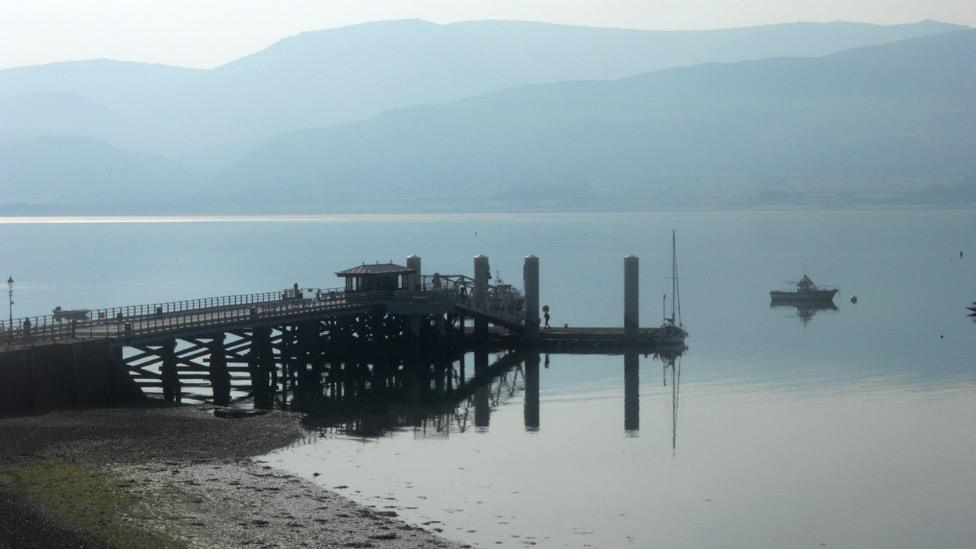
(674, 276)
(675, 288)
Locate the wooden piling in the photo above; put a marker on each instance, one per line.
(219, 375)
(631, 297)
(530, 277)
(482, 272)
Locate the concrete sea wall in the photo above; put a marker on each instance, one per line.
(75, 374)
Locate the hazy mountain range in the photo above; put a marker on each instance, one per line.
(501, 115)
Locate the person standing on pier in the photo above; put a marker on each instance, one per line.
(545, 311)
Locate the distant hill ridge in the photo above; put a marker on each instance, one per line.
(320, 78)
(513, 110)
(880, 119)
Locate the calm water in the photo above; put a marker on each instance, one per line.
(845, 428)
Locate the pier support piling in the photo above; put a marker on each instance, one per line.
(530, 277)
(170, 376)
(309, 345)
(481, 275)
(219, 375)
(631, 297)
(260, 363)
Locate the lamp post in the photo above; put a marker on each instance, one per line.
(10, 298)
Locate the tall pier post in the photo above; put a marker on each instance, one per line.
(631, 393)
(631, 297)
(530, 277)
(481, 275)
(531, 412)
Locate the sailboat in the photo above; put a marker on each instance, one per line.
(672, 332)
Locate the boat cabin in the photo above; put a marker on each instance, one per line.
(806, 284)
(378, 277)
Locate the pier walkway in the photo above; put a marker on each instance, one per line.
(187, 318)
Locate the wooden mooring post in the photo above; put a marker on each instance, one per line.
(631, 297)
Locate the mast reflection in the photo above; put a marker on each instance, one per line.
(674, 364)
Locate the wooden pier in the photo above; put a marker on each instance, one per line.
(260, 343)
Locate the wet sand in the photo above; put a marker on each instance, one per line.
(181, 475)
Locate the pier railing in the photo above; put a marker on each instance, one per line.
(99, 322)
(224, 311)
(504, 301)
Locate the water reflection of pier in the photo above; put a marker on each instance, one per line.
(436, 398)
(432, 395)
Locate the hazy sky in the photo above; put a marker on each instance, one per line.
(205, 33)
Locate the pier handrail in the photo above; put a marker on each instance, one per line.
(53, 326)
(147, 319)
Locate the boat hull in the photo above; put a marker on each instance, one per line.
(669, 335)
(804, 296)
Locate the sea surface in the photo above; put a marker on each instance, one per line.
(778, 427)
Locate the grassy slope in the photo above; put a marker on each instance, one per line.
(87, 500)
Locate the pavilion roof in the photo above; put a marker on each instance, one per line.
(376, 269)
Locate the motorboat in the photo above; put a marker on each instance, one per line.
(805, 290)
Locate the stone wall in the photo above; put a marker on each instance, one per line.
(78, 374)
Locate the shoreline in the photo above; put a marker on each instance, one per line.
(386, 216)
(173, 477)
